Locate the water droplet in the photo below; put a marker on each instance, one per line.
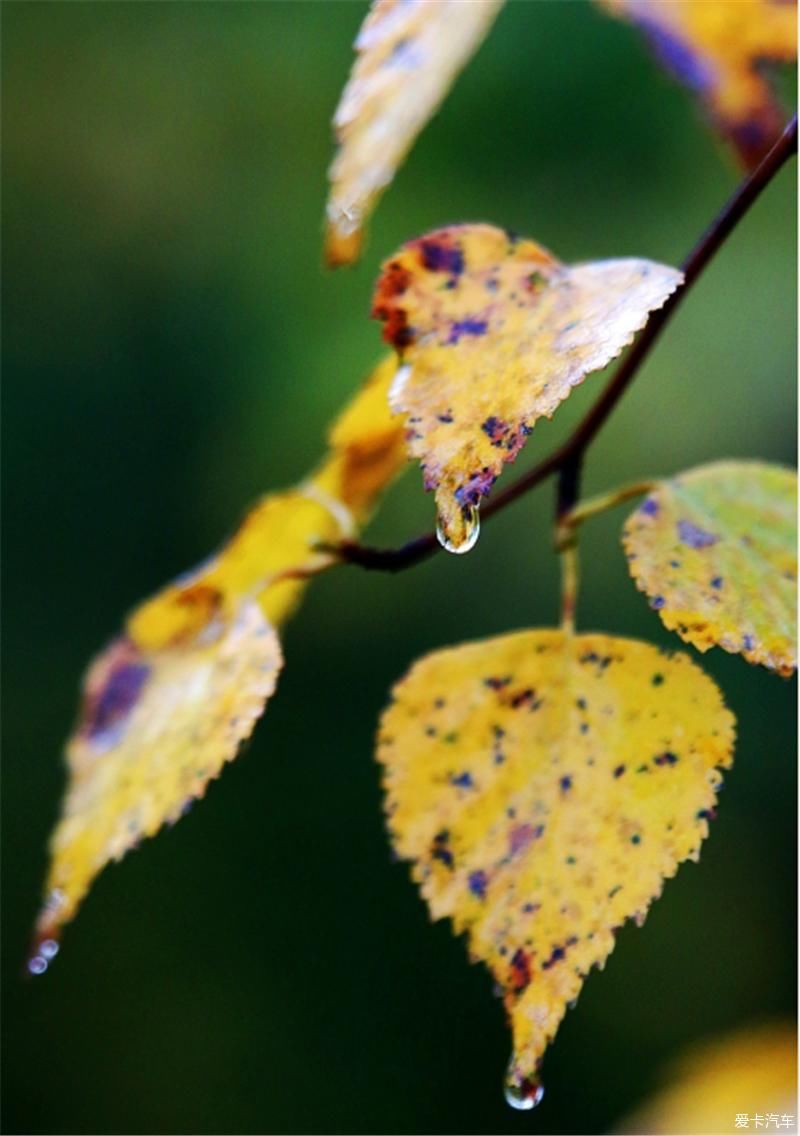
(37, 964)
(41, 956)
(402, 375)
(55, 900)
(466, 537)
(522, 1093)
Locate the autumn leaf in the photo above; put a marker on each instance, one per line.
(713, 1082)
(272, 555)
(715, 550)
(718, 48)
(409, 53)
(544, 785)
(276, 549)
(367, 446)
(494, 333)
(155, 728)
(166, 705)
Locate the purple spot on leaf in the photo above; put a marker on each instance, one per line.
(678, 57)
(466, 327)
(437, 256)
(523, 835)
(695, 537)
(477, 883)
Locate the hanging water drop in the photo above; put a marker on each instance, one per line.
(463, 536)
(41, 957)
(522, 1093)
(37, 965)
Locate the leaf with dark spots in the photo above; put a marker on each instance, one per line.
(165, 722)
(556, 846)
(716, 556)
(167, 704)
(486, 359)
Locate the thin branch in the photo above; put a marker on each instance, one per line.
(567, 459)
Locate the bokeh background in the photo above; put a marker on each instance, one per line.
(173, 348)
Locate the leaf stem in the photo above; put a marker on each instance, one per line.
(592, 506)
(570, 577)
(567, 459)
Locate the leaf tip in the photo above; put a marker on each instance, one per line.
(342, 247)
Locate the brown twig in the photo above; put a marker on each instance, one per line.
(567, 460)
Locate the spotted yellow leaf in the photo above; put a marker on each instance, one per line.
(544, 785)
(494, 333)
(715, 550)
(722, 1080)
(168, 703)
(719, 49)
(409, 53)
(154, 730)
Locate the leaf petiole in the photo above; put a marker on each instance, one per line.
(593, 506)
(566, 541)
(570, 580)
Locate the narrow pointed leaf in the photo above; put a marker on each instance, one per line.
(154, 730)
(166, 705)
(409, 53)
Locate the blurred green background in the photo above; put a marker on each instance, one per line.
(173, 348)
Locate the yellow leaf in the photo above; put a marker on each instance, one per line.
(367, 444)
(745, 1074)
(270, 555)
(274, 551)
(166, 705)
(544, 785)
(409, 53)
(718, 48)
(494, 334)
(154, 730)
(715, 549)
